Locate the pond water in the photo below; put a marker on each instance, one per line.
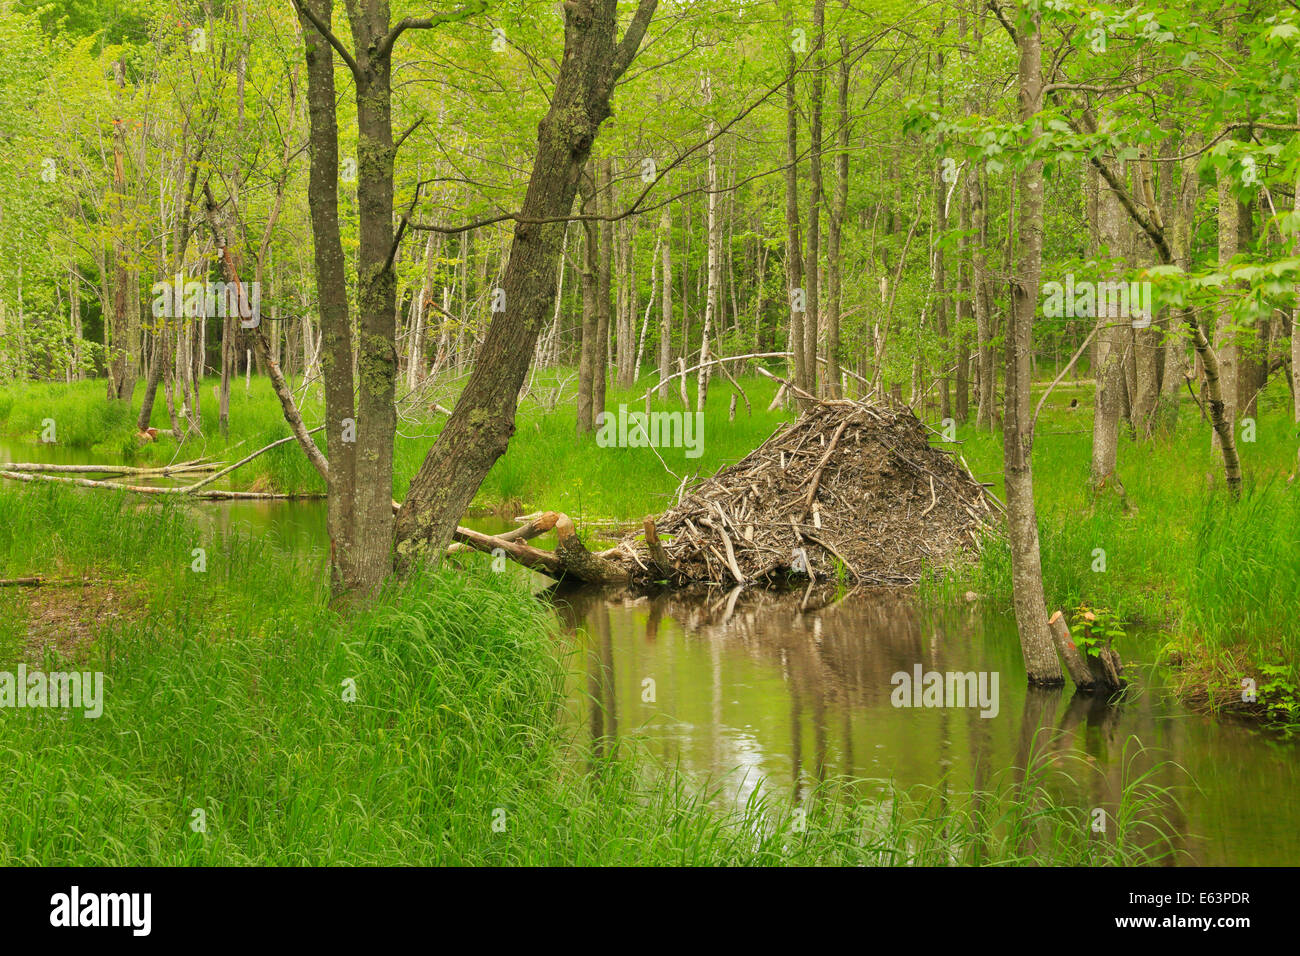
(748, 693)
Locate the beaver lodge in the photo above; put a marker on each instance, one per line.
(850, 489)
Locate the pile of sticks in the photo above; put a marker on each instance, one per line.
(851, 490)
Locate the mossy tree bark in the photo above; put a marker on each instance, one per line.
(480, 427)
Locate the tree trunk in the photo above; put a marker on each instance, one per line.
(666, 305)
(415, 366)
(1295, 316)
(116, 333)
(332, 295)
(835, 223)
(812, 274)
(587, 281)
(1041, 664)
(604, 199)
(714, 252)
(376, 416)
(1175, 367)
(940, 276)
(987, 411)
(479, 428)
(796, 295)
(1225, 336)
(1108, 357)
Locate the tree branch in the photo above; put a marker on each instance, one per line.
(324, 30)
(428, 23)
(632, 37)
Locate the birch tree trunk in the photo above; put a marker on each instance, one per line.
(796, 296)
(714, 226)
(666, 304)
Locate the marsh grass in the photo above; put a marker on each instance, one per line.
(547, 466)
(228, 697)
(1220, 576)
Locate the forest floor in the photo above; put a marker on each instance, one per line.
(1218, 578)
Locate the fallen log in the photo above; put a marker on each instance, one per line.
(537, 526)
(157, 471)
(577, 561)
(40, 581)
(188, 491)
(546, 562)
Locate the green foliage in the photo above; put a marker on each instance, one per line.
(1094, 627)
(1281, 695)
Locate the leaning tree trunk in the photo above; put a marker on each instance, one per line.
(480, 427)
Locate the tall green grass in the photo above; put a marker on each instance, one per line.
(230, 696)
(547, 466)
(1222, 576)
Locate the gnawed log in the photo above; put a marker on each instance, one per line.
(547, 562)
(1074, 660)
(1107, 669)
(580, 563)
(570, 559)
(663, 568)
(525, 532)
